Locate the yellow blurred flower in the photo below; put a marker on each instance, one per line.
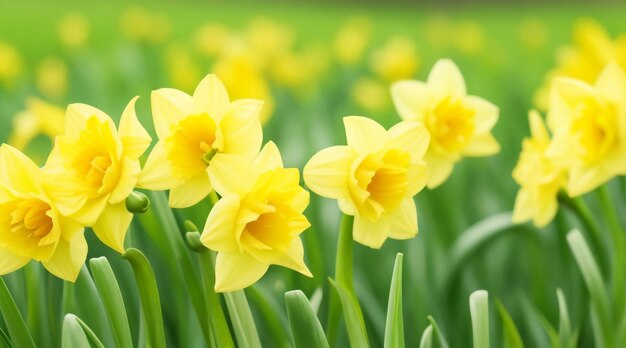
(32, 228)
(94, 167)
(192, 130)
(10, 64)
(396, 60)
(588, 123)
(138, 24)
(374, 177)
(352, 41)
(370, 94)
(438, 31)
(243, 79)
(532, 33)
(73, 30)
(182, 69)
(258, 220)
(459, 124)
(469, 38)
(267, 39)
(540, 179)
(39, 117)
(51, 79)
(212, 39)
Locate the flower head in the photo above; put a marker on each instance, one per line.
(540, 179)
(31, 227)
(258, 220)
(94, 166)
(459, 124)
(39, 117)
(192, 130)
(374, 177)
(589, 127)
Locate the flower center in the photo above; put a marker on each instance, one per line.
(25, 226)
(450, 125)
(593, 131)
(190, 145)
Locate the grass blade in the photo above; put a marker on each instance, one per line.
(567, 338)
(111, 296)
(72, 320)
(479, 309)
(353, 317)
(394, 328)
(305, 326)
(427, 337)
(73, 334)
(149, 295)
(20, 336)
(512, 338)
(439, 340)
(241, 317)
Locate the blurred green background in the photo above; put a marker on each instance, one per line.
(316, 63)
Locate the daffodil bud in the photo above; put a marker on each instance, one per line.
(137, 202)
(193, 241)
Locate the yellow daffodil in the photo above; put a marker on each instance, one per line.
(94, 167)
(352, 41)
(211, 39)
(141, 25)
(39, 117)
(52, 78)
(182, 69)
(32, 228)
(374, 177)
(258, 220)
(192, 130)
(589, 127)
(11, 66)
(540, 179)
(73, 30)
(371, 95)
(396, 60)
(459, 124)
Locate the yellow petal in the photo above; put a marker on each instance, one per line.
(235, 271)
(135, 138)
(411, 137)
(88, 211)
(211, 97)
(482, 145)
(219, 231)
(439, 169)
(411, 99)
(566, 94)
(417, 175)
(363, 134)
(546, 212)
(537, 128)
(26, 126)
(611, 83)
(240, 129)
(369, 233)
(127, 180)
(585, 179)
(18, 172)
(191, 191)
(10, 262)
(445, 79)
(112, 226)
(293, 257)
(403, 220)
(157, 172)
(485, 113)
(268, 159)
(327, 172)
(168, 107)
(68, 258)
(231, 174)
(77, 114)
(524, 205)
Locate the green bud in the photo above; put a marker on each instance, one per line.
(137, 202)
(194, 243)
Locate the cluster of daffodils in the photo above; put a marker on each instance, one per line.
(210, 147)
(583, 148)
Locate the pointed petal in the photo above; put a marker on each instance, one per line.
(211, 97)
(411, 137)
(219, 231)
(235, 271)
(537, 127)
(364, 134)
(191, 191)
(231, 174)
(411, 99)
(524, 206)
(240, 128)
(10, 262)
(445, 79)
(327, 172)
(439, 169)
(268, 159)
(611, 83)
(89, 212)
(482, 145)
(565, 94)
(135, 138)
(157, 172)
(77, 114)
(369, 233)
(18, 172)
(127, 181)
(485, 113)
(168, 107)
(403, 220)
(68, 258)
(112, 226)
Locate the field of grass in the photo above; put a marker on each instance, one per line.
(466, 239)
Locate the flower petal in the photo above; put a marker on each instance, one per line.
(127, 180)
(211, 97)
(482, 145)
(231, 174)
(369, 233)
(268, 158)
(135, 138)
(364, 134)
(403, 220)
(168, 107)
(191, 191)
(439, 169)
(77, 114)
(485, 113)
(10, 262)
(611, 83)
(411, 137)
(68, 258)
(327, 172)
(445, 79)
(411, 99)
(112, 226)
(240, 129)
(235, 271)
(219, 231)
(18, 172)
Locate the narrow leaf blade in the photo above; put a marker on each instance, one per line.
(394, 328)
(305, 326)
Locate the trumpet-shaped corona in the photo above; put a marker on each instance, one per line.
(93, 167)
(258, 220)
(31, 226)
(459, 124)
(374, 177)
(192, 130)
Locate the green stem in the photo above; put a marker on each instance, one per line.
(598, 244)
(33, 288)
(241, 317)
(617, 236)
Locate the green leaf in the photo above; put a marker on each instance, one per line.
(71, 320)
(13, 319)
(149, 296)
(5, 341)
(355, 324)
(593, 280)
(567, 338)
(73, 334)
(479, 309)
(394, 328)
(305, 327)
(242, 320)
(438, 340)
(111, 296)
(512, 338)
(427, 337)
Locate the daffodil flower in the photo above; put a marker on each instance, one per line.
(258, 220)
(374, 177)
(94, 167)
(39, 117)
(540, 179)
(589, 127)
(459, 124)
(192, 131)
(32, 227)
